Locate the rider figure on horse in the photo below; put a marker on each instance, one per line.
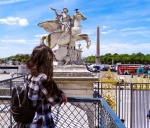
(65, 26)
(75, 14)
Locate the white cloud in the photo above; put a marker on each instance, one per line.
(3, 47)
(115, 47)
(122, 48)
(108, 32)
(9, 20)
(14, 21)
(40, 35)
(88, 31)
(145, 33)
(23, 22)
(133, 29)
(104, 26)
(14, 41)
(10, 1)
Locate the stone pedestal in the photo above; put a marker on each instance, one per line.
(74, 80)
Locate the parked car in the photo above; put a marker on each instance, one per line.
(104, 69)
(92, 68)
(113, 70)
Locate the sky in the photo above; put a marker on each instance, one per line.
(124, 24)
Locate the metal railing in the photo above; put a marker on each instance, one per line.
(77, 113)
(6, 85)
(130, 101)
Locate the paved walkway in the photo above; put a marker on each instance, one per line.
(6, 76)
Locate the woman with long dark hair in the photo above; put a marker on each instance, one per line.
(42, 90)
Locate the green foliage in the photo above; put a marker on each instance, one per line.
(89, 59)
(108, 58)
(18, 58)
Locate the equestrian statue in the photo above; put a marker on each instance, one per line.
(64, 32)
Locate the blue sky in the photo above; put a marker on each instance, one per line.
(124, 24)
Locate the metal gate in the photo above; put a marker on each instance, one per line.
(130, 99)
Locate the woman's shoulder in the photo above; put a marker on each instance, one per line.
(35, 81)
(41, 77)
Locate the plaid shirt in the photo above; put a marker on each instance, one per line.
(43, 117)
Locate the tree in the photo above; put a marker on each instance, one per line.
(18, 59)
(92, 59)
(138, 58)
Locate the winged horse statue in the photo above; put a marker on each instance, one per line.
(69, 36)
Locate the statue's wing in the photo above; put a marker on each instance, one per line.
(50, 26)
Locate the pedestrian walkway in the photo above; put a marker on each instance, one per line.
(5, 76)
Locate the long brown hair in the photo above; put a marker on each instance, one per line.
(41, 61)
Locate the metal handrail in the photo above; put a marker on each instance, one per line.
(13, 78)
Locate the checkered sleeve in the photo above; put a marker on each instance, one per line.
(54, 99)
(59, 88)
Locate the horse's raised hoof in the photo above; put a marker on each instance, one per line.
(89, 43)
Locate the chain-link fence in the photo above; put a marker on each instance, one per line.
(5, 115)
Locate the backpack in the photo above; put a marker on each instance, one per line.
(21, 109)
